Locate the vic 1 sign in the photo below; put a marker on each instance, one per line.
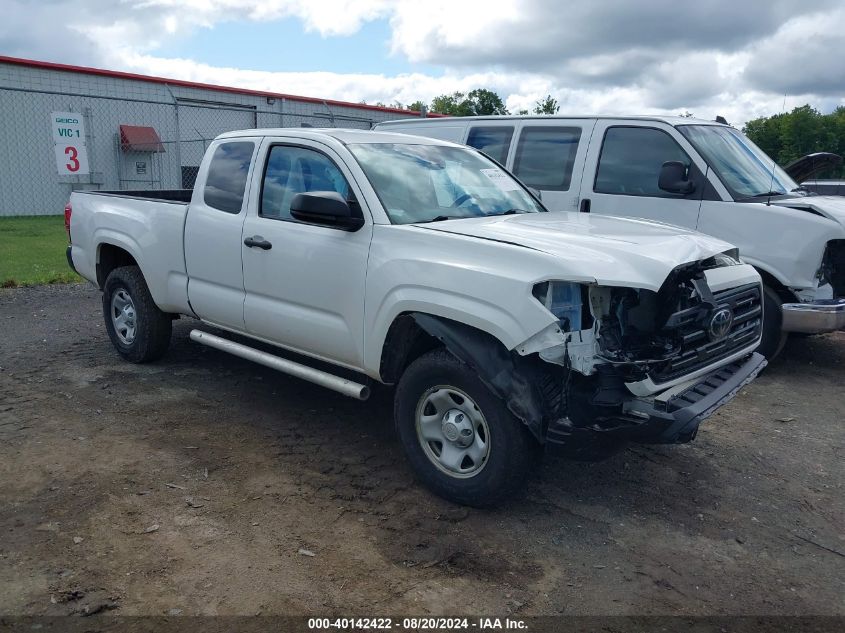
(69, 138)
(68, 127)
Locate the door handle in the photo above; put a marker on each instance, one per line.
(585, 206)
(258, 242)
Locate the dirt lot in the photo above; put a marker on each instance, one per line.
(193, 483)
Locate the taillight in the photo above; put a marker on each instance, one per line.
(68, 213)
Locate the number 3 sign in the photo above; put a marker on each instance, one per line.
(71, 160)
(69, 138)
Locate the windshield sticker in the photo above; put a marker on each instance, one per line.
(501, 179)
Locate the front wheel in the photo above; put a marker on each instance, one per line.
(137, 328)
(460, 439)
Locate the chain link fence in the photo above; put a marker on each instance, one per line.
(31, 183)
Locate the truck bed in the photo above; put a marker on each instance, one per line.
(149, 225)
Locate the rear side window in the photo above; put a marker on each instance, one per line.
(226, 180)
(631, 158)
(545, 157)
(493, 141)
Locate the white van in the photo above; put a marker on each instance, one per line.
(696, 174)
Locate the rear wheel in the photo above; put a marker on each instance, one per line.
(773, 338)
(461, 440)
(137, 328)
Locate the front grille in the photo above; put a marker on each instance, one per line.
(696, 348)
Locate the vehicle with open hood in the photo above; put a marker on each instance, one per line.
(384, 258)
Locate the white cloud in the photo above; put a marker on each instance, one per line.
(805, 54)
(327, 17)
(424, 31)
(353, 87)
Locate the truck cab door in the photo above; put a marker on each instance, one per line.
(213, 241)
(622, 170)
(304, 283)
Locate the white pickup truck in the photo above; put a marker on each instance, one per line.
(423, 264)
(700, 175)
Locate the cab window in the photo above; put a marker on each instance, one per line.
(292, 170)
(545, 157)
(493, 141)
(226, 180)
(631, 158)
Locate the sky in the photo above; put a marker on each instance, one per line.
(738, 59)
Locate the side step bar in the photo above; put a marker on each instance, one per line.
(324, 379)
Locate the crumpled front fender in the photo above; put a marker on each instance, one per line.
(511, 377)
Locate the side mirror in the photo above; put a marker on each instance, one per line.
(326, 208)
(674, 178)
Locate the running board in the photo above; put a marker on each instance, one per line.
(318, 377)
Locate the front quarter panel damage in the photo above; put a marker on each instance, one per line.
(583, 389)
(517, 380)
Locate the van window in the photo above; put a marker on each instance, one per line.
(631, 158)
(292, 170)
(493, 141)
(226, 180)
(545, 157)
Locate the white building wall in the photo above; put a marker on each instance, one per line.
(186, 119)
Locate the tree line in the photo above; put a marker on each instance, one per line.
(478, 102)
(791, 135)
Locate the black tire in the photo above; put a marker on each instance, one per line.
(512, 449)
(152, 327)
(773, 338)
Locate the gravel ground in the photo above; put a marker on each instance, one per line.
(203, 484)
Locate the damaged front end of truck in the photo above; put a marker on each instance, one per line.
(623, 364)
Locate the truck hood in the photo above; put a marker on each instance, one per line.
(612, 251)
(831, 207)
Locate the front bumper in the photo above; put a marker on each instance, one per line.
(817, 317)
(670, 417)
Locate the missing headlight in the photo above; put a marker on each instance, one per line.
(567, 302)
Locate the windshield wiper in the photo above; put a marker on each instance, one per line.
(766, 194)
(804, 190)
(442, 218)
(508, 212)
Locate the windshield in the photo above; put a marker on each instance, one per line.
(424, 183)
(743, 167)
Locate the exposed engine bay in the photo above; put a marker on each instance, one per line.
(641, 332)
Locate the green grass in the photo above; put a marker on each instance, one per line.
(32, 251)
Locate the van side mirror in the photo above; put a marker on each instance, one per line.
(326, 208)
(674, 178)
